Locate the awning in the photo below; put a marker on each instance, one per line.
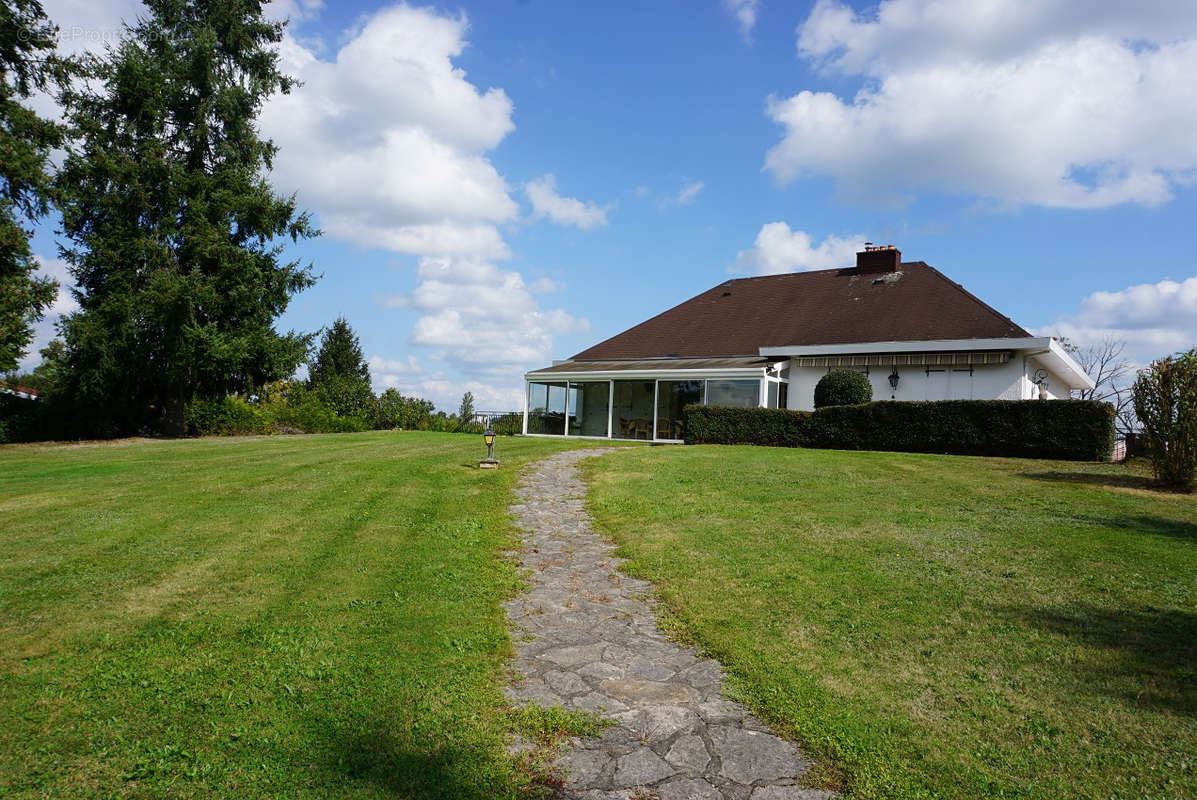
(965, 359)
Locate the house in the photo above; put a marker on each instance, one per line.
(24, 392)
(766, 341)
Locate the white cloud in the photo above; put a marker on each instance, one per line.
(684, 196)
(484, 317)
(546, 202)
(64, 303)
(1154, 319)
(411, 377)
(1066, 103)
(544, 286)
(778, 249)
(57, 269)
(89, 25)
(294, 10)
(387, 141)
(690, 191)
(745, 13)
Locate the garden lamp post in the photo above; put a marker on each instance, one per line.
(490, 462)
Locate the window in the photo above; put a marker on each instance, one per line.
(740, 394)
(632, 409)
(588, 408)
(546, 408)
(672, 397)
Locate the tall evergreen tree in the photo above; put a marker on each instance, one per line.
(175, 232)
(339, 356)
(339, 374)
(465, 412)
(27, 65)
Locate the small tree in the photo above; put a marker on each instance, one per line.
(465, 414)
(843, 387)
(396, 411)
(1165, 401)
(1105, 363)
(339, 374)
(339, 356)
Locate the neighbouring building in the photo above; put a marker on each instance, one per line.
(766, 341)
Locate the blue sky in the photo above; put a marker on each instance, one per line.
(505, 183)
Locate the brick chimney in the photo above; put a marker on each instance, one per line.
(879, 258)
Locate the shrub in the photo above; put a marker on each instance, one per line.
(507, 424)
(393, 410)
(306, 414)
(347, 397)
(226, 416)
(843, 387)
(449, 423)
(1078, 430)
(282, 407)
(1165, 398)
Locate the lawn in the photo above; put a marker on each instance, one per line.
(311, 616)
(932, 626)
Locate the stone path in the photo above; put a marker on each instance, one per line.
(587, 639)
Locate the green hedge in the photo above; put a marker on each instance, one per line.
(1075, 430)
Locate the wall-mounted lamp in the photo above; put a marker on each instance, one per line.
(893, 379)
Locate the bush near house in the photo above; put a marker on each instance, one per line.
(843, 387)
(1075, 430)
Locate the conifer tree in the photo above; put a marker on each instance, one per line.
(27, 65)
(466, 412)
(339, 374)
(339, 356)
(174, 231)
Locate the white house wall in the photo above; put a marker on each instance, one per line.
(987, 382)
(1056, 386)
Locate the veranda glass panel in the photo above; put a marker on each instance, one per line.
(672, 397)
(773, 389)
(739, 394)
(546, 408)
(632, 413)
(588, 408)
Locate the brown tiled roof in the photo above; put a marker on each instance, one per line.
(659, 365)
(831, 306)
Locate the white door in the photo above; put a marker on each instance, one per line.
(937, 384)
(960, 384)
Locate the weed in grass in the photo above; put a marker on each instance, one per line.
(549, 725)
